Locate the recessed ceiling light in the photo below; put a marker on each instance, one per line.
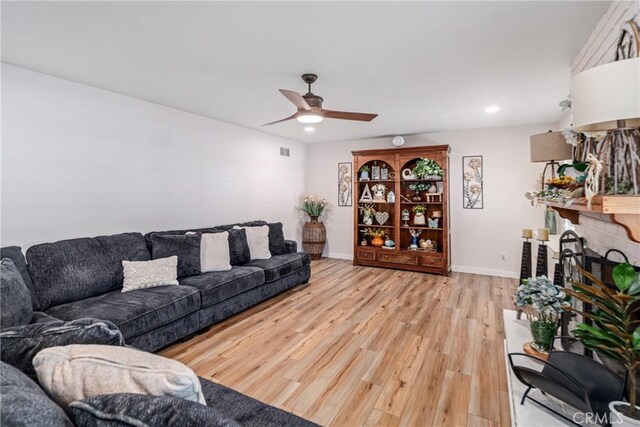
(309, 129)
(492, 109)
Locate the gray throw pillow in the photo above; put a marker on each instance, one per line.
(277, 245)
(127, 409)
(15, 300)
(24, 403)
(20, 344)
(185, 246)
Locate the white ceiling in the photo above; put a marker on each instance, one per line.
(422, 66)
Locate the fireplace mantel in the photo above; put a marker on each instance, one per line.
(622, 210)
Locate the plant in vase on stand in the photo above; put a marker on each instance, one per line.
(377, 235)
(427, 169)
(615, 333)
(542, 302)
(368, 212)
(314, 233)
(419, 218)
(364, 173)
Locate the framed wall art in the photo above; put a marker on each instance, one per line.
(345, 184)
(472, 197)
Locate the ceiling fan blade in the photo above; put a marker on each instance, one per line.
(296, 99)
(345, 115)
(282, 120)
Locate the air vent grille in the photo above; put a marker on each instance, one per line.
(285, 151)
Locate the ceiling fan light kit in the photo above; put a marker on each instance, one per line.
(309, 117)
(310, 108)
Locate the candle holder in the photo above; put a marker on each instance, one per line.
(542, 268)
(525, 262)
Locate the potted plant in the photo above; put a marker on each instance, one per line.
(427, 169)
(377, 236)
(364, 172)
(368, 212)
(615, 333)
(543, 303)
(419, 217)
(314, 233)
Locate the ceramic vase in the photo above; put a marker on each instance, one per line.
(419, 218)
(314, 236)
(377, 241)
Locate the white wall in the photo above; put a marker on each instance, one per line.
(79, 161)
(478, 236)
(599, 232)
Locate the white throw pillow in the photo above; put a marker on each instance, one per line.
(214, 252)
(149, 274)
(258, 240)
(76, 372)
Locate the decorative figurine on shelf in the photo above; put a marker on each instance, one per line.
(435, 217)
(391, 197)
(366, 194)
(415, 233)
(419, 211)
(375, 172)
(428, 245)
(379, 192)
(407, 174)
(364, 173)
(406, 216)
(382, 217)
(368, 212)
(389, 243)
(363, 240)
(384, 173)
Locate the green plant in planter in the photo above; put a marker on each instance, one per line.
(418, 186)
(313, 206)
(365, 168)
(419, 209)
(615, 332)
(427, 168)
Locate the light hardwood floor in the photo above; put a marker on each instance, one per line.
(368, 346)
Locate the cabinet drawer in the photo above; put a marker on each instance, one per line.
(367, 255)
(431, 261)
(399, 258)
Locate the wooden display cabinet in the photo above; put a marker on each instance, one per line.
(401, 257)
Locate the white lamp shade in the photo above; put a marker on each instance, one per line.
(604, 95)
(549, 146)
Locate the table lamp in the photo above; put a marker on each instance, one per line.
(549, 147)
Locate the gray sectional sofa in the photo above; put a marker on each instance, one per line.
(82, 278)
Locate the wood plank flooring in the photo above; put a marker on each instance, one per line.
(364, 346)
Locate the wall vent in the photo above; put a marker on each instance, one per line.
(285, 151)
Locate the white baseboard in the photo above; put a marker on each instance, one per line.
(340, 256)
(485, 271)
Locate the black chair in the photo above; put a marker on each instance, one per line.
(572, 378)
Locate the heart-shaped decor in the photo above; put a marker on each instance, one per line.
(382, 217)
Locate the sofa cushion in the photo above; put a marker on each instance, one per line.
(19, 345)
(24, 403)
(148, 235)
(185, 246)
(14, 253)
(227, 227)
(219, 285)
(276, 239)
(149, 274)
(128, 409)
(76, 372)
(15, 300)
(71, 270)
(135, 312)
(246, 410)
(280, 265)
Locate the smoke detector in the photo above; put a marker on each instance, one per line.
(398, 141)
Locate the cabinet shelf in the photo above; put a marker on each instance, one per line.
(421, 227)
(400, 257)
(420, 203)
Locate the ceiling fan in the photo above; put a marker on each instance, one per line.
(310, 107)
